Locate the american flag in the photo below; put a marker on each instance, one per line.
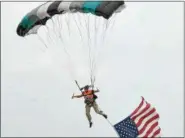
(143, 122)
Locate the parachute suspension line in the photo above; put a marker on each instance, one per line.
(98, 51)
(40, 38)
(92, 56)
(64, 46)
(60, 36)
(67, 18)
(104, 30)
(58, 24)
(78, 29)
(69, 59)
(92, 79)
(88, 31)
(54, 26)
(95, 49)
(86, 26)
(79, 19)
(106, 25)
(95, 32)
(108, 28)
(54, 30)
(88, 44)
(95, 46)
(60, 29)
(38, 46)
(48, 32)
(46, 29)
(81, 25)
(113, 21)
(89, 47)
(65, 50)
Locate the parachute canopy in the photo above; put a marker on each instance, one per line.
(39, 16)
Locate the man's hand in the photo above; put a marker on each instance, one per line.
(72, 96)
(77, 96)
(97, 90)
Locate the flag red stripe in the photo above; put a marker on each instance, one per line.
(156, 132)
(147, 123)
(144, 116)
(142, 111)
(140, 105)
(151, 129)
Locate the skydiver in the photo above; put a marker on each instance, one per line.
(90, 101)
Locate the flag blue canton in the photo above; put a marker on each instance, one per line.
(127, 128)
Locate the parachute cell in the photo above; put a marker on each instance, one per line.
(39, 16)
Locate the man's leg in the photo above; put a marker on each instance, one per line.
(98, 111)
(88, 115)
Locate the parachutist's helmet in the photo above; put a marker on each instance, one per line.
(86, 87)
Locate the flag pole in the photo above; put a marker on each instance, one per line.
(113, 127)
(78, 85)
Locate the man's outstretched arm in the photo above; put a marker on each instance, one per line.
(96, 90)
(77, 96)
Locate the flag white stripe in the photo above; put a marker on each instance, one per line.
(145, 120)
(154, 130)
(147, 128)
(143, 114)
(140, 110)
(158, 135)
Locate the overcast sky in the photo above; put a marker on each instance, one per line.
(142, 56)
